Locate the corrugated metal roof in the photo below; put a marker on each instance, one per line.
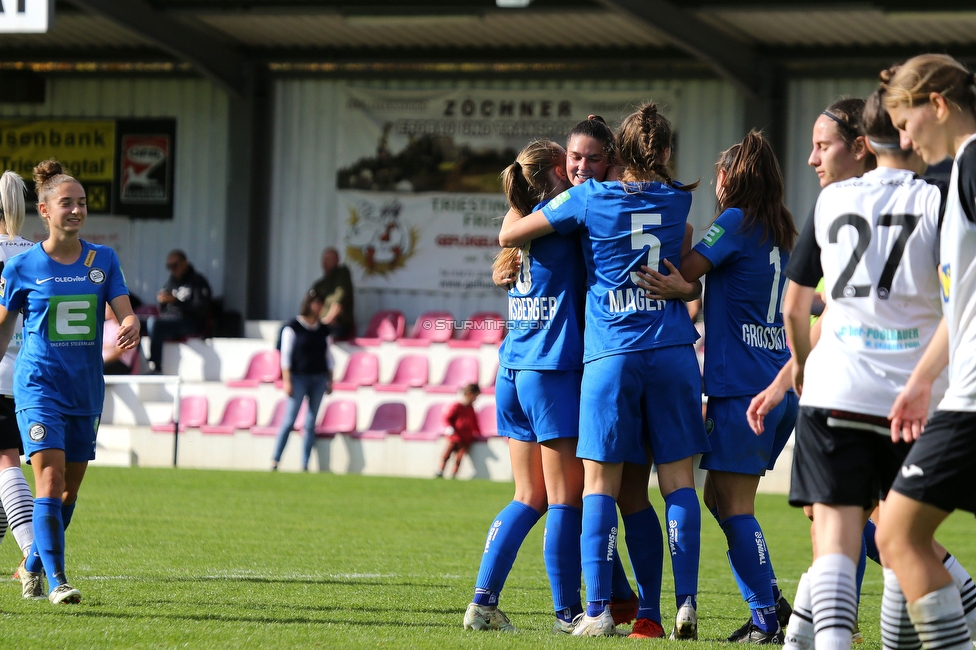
(77, 31)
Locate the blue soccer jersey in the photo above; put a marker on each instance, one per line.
(60, 362)
(743, 308)
(545, 307)
(623, 227)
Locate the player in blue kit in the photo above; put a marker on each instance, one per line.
(61, 285)
(641, 387)
(743, 256)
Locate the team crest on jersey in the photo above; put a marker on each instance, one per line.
(37, 432)
(945, 282)
(96, 276)
(714, 233)
(559, 200)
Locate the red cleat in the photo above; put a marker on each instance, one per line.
(645, 628)
(624, 610)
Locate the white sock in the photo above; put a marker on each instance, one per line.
(897, 631)
(967, 590)
(18, 503)
(940, 621)
(833, 595)
(799, 633)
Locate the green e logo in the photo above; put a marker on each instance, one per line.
(72, 318)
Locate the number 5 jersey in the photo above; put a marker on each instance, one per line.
(874, 240)
(60, 361)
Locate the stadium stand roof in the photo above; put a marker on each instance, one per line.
(233, 42)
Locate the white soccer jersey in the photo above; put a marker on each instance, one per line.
(957, 270)
(8, 248)
(876, 238)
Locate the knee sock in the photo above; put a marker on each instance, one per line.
(49, 538)
(505, 537)
(598, 543)
(967, 590)
(561, 552)
(747, 554)
(684, 541)
(15, 495)
(870, 546)
(67, 512)
(645, 545)
(939, 620)
(897, 631)
(620, 585)
(833, 592)
(799, 633)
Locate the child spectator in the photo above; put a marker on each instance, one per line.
(461, 424)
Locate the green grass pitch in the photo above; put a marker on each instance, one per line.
(197, 559)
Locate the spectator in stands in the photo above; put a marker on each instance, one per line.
(117, 361)
(335, 286)
(184, 307)
(305, 370)
(461, 424)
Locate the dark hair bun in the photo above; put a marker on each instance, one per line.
(47, 169)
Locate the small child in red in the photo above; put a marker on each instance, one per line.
(461, 423)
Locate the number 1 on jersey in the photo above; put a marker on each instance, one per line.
(639, 239)
(774, 295)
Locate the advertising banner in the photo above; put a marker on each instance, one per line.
(419, 195)
(144, 182)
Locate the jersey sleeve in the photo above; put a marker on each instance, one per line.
(967, 182)
(567, 212)
(12, 293)
(723, 240)
(804, 265)
(116, 280)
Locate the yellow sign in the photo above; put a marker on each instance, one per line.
(86, 148)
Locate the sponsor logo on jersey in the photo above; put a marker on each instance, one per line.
(872, 338)
(72, 318)
(714, 233)
(96, 276)
(945, 281)
(43, 280)
(911, 470)
(766, 337)
(37, 432)
(624, 300)
(559, 200)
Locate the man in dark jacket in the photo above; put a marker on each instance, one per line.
(336, 286)
(184, 307)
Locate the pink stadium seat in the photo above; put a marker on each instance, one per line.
(433, 426)
(412, 371)
(486, 421)
(278, 416)
(194, 410)
(483, 328)
(386, 325)
(240, 413)
(339, 417)
(363, 370)
(431, 327)
(390, 419)
(264, 367)
(460, 372)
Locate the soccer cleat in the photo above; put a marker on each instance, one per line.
(601, 625)
(757, 636)
(65, 594)
(624, 610)
(16, 575)
(565, 627)
(685, 623)
(645, 628)
(477, 617)
(856, 634)
(32, 584)
(783, 611)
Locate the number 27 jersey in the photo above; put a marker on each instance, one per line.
(60, 362)
(875, 240)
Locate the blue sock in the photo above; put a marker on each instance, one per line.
(597, 545)
(620, 584)
(645, 545)
(561, 552)
(870, 545)
(750, 561)
(765, 619)
(505, 537)
(714, 513)
(49, 538)
(67, 512)
(684, 539)
(862, 564)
